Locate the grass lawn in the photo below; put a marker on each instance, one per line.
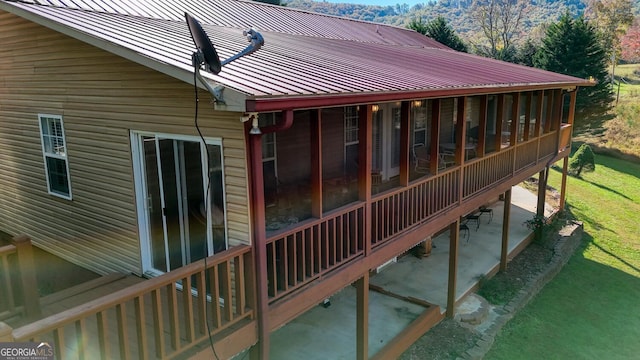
(591, 310)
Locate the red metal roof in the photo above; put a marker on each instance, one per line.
(307, 60)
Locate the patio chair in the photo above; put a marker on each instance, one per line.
(421, 158)
(464, 228)
(486, 210)
(447, 158)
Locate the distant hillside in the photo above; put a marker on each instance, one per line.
(455, 11)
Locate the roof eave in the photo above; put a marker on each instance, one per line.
(267, 104)
(234, 100)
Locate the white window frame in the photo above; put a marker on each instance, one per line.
(61, 155)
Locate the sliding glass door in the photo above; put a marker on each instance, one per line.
(182, 200)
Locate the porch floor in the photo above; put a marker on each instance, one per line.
(323, 333)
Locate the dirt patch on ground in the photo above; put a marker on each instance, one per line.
(450, 339)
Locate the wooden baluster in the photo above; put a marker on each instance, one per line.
(214, 285)
(123, 338)
(141, 327)
(103, 336)
(201, 302)
(174, 325)
(225, 280)
(158, 324)
(81, 338)
(187, 305)
(238, 264)
(60, 347)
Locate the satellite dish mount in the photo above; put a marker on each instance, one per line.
(206, 54)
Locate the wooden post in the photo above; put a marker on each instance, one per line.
(505, 230)
(435, 136)
(482, 127)
(454, 237)
(563, 187)
(365, 134)
(542, 188)
(405, 135)
(499, 120)
(362, 317)
(6, 333)
(28, 277)
(515, 120)
(259, 246)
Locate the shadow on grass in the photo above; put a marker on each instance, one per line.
(585, 218)
(588, 311)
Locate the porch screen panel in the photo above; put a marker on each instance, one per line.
(533, 115)
(490, 134)
(395, 137)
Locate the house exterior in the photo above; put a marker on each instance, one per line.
(371, 139)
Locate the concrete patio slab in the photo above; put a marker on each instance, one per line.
(330, 333)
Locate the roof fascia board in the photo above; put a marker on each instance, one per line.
(311, 102)
(234, 100)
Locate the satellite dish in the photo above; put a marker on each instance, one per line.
(204, 45)
(208, 56)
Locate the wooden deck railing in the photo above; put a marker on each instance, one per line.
(397, 211)
(19, 289)
(526, 154)
(165, 321)
(487, 171)
(298, 256)
(548, 145)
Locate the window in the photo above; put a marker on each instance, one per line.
(269, 167)
(351, 138)
(54, 151)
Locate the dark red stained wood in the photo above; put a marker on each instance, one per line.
(482, 127)
(499, 120)
(527, 116)
(539, 113)
(435, 135)
(505, 230)
(405, 134)
(454, 237)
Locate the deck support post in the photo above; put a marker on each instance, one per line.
(454, 237)
(28, 277)
(362, 317)
(505, 231)
(563, 187)
(543, 176)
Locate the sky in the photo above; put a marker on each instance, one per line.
(378, 2)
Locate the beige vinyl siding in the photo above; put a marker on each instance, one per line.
(101, 98)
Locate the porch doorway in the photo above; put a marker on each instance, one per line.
(180, 200)
(386, 140)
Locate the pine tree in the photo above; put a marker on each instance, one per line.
(440, 31)
(571, 47)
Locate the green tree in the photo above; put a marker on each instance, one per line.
(440, 31)
(582, 159)
(572, 47)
